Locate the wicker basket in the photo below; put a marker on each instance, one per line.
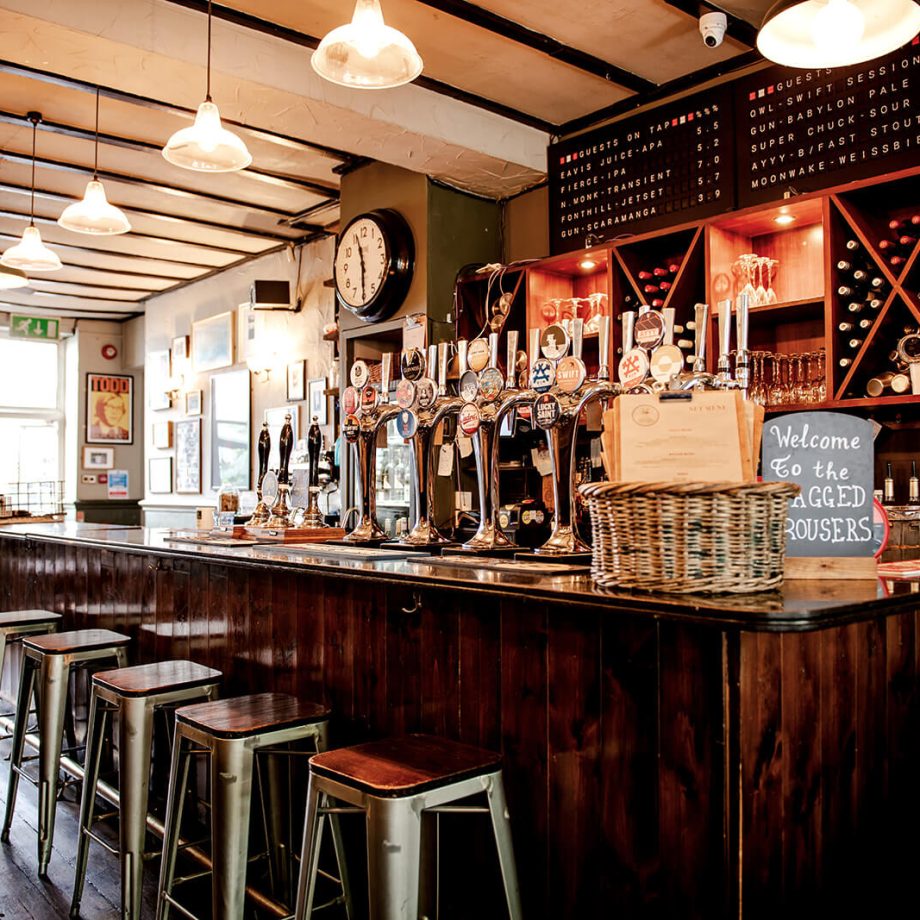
(689, 537)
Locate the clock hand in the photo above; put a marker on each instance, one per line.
(361, 260)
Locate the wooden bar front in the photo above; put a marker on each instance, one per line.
(752, 758)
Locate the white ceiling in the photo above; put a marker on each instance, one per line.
(501, 77)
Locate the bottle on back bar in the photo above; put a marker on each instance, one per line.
(845, 291)
(855, 307)
(645, 276)
(845, 362)
(852, 245)
(913, 485)
(865, 323)
(674, 268)
(660, 272)
(650, 288)
(860, 275)
(907, 240)
(854, 343)
(896, 261)
(664, 286)
(874, 303)
(845, 327)
(876, 282)
(845, 266)
(888, 490)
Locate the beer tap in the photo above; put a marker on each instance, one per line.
(262, 512)
(376, 411)
(724, 366)
(313, 517)
(281, 511)
(557, 412)
(699, 379)
(742, 355)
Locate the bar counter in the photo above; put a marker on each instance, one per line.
(665, 756)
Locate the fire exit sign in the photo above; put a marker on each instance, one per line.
(34, 327)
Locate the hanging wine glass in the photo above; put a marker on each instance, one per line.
(760, 292)
(743, 269)
(772, 265)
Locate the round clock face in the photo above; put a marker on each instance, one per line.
(373, 264)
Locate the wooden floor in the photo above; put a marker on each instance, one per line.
(23, 896)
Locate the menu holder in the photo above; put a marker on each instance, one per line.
(296, 534)
(708, 436)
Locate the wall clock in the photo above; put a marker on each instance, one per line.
(374, 260)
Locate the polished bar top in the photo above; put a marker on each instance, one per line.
(798, 605)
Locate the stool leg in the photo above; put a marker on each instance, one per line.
(95, 740)
(178, 781)
(231, 794)
(309, 854)
(135, 738)
(394, 833)
(276, 798)
(501, 825)
(54, 673)
(26, 685)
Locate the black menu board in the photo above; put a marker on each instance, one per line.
(667, 165)
(811, 129)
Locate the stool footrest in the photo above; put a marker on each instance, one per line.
(174, 903)
(103, 843)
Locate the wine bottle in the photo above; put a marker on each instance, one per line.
(855, 306)
(886, 245)
(860, 275)
(657, 302)
(907, 240)
(845, 327)
(866, 322)
(874, 303)
(896, 261)
(913, 485)
(645, 276)
(876, 282)
(888, 490)
(845, 266)
(852, 245)
(664, 286)
(845, 362)
(660, 272)
(674, 267)
(650, 288)
(896, 224)
(845, 291)
(854, 343)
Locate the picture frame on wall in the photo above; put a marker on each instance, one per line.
(98, 458)
(193, 402)
(159, 371)
(318, 401)
(162, 435)
(160, 475)
(296, 374)
(188, 456)
(180, 349)
(212, 342)
(109, 409)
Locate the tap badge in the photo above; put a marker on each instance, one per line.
(269, 487)
(649, 329)
(468, 419)
(351, 427)
(351, 401)
(426, 393)
(469, 386)
(413, 364)
(546, 411)
(405, 394)
(667, 362)
(542, 375)
(633, 368)
(477, 357)
(406, 424)
(554, 342)
(570, 374)
(359, 375)
(491, 383)
(368, 399)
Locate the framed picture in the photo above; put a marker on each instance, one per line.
(212, 342)
(188, 456)
(193, 402)
(159, 371)
(160, 475)
(247, 328)
(229, 421)
(296, 372)
(162, 435)
(109, 409)
(275, 419)
(98, 458)
(180, 349)
(318, 400)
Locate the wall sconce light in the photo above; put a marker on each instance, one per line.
(174, 386)
(261, 366)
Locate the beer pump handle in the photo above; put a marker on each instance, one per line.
(493, 349)
(742, 315)
(534, 350)
(385, 363)
(603, 348)
(725, 335)
(462, 349)
(629, 325)
(701, 319)
(432, 370)
(578, 337)
(442, 368)
(668, 313)
(511, 358)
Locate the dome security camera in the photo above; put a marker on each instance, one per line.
(712, 28)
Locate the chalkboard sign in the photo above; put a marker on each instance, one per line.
(665, 166)
(830, 455)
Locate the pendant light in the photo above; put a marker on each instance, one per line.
(836, 33)
(11, 278)
(207, 146)
(367, 53)
(93, 214)
(31, 254)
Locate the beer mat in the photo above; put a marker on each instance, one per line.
(354, 553)
(508, 566)
(207, 539)
(907, 569)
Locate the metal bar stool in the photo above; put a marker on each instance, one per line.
(16, 624)
(52, 656)
(231, 732)
(134, 694)
(395, 782)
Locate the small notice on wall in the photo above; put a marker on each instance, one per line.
(830, 455)
(118, 484)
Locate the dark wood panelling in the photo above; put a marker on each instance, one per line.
(654, 768)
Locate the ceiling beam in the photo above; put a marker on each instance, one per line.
(267, 27)
(166, 218)
(738, 29)
(102, 285)
(273, 137)
(129, 143)
(84, 297)
(75, 312)
(530, 38)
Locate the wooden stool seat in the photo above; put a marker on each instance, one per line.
(14, 618)
(397, 767)
(156, 678)
(241, 716)
(79, 640)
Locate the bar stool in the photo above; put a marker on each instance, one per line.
(16, 624)
(394, 782)
(231, 732)
(135, 694)
(52, 656)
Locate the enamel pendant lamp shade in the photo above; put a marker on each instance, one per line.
(207, 146)
(367, 53)
(93, 214)
(836, 33)
(30, 254)
(11, 278)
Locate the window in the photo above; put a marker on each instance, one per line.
(28, 374)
